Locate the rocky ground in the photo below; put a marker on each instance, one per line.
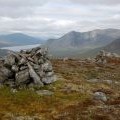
(84, 90)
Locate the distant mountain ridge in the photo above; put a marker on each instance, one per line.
(78, 42)
(18, 39)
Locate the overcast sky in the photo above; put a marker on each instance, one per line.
(53, 18)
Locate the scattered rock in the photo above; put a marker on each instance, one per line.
(100, 96)
(100, 81)
(93, 80)
(44, 92)
(106, 57)
(13, 90)
(108, 81)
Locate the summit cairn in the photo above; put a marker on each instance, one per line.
(107, 57)
(27, 68)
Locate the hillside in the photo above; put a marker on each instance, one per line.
(18, 39)
(114, 46)
(77, 42)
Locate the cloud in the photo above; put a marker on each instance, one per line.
(103, 2)
(53, 18)
(22, 3)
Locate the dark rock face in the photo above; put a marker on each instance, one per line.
(26, 68)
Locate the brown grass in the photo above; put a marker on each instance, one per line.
(72, 99)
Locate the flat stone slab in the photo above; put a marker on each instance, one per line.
(44, 92)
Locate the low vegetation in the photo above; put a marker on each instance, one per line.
(73, 95)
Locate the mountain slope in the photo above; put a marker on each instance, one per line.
(78, 42)
(18, 39)
(85, 40)
(114, 46)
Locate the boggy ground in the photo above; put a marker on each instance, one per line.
(73, 97)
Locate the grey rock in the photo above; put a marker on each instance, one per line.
(15, 68)
(93, 80)
(41, 73)
(14, 90)
(2, 77)
(47, 67)
(44, 92)
(34, 76)
(40, 61)
(6, 72)
(108, 81)
(49, 80)
(10, 60)
(22, 61)
(49, 74)
(36, 67)
(23, 68)
(22, 77)
(100, 96)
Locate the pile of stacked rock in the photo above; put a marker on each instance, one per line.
(106, 57)
(27, 68)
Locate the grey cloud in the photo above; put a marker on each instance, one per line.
(53, 18)
(22, 3)
(103, 2)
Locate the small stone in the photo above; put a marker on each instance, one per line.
(13, 90)
(44, 92)
(93, 80)
(100, 96)
(108, 81)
